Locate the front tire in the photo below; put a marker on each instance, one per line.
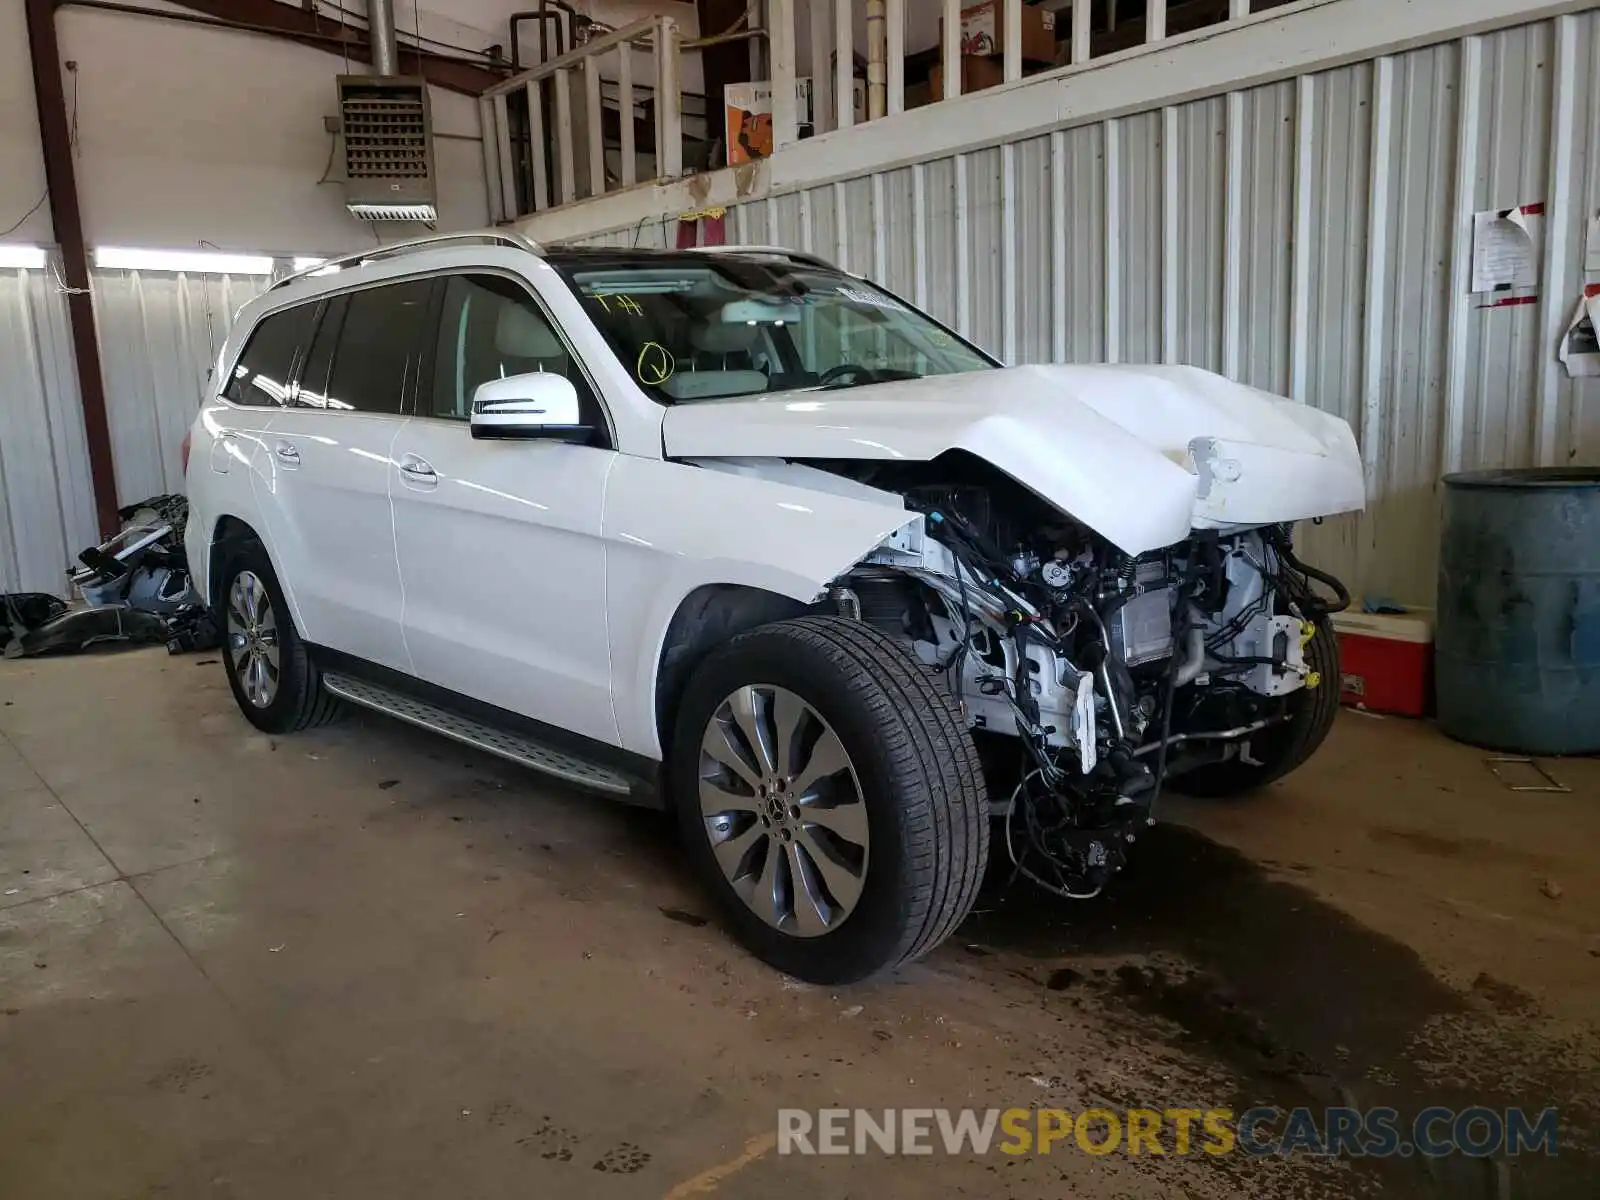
(829, 794)
(274, 681)
(1276, 751)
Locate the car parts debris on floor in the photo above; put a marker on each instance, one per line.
(136, 586)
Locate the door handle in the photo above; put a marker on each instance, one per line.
(417, 471)
(287, 454)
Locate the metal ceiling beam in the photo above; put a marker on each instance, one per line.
(55, 139)
(334, 36)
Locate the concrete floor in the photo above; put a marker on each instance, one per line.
(362, 962)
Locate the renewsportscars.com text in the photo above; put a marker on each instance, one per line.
(1339, 1132)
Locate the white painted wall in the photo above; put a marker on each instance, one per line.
(188, 134)
(21, 167)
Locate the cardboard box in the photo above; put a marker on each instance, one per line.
(976, 74)
(1387, 662)
(983, 32)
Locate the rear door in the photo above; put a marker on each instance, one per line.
(329, 455)
(229, 470)
(499, 541)
(255, 393)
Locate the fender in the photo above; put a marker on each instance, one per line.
(229, 467)
(672, 528)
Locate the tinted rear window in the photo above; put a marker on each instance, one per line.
(380, 341)
(261, 376)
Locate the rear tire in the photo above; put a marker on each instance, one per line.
(1278, 750)
(274, 681)
(906, 871)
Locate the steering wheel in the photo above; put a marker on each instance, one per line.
(845, 371)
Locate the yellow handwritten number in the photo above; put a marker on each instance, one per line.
(619, 303)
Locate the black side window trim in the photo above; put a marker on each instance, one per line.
(422, 383)
(326, 307)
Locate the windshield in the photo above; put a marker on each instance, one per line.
(697, 327)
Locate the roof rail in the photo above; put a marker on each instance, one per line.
(495, 237)
(795, 256)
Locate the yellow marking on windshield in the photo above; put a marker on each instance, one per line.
(615, 302)
(655, 365)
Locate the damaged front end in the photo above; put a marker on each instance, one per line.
(1090, 677)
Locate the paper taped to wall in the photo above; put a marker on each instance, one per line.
(748, 110)
(1591, 257)
(1503, 250)
(1580, 348)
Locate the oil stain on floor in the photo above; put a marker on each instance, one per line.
(1298, 1004)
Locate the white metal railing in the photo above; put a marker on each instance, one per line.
(543, 149)
(831, 33)
(521, 135)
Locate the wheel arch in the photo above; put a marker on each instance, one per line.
(226, 535)
(706, 617)
(229, 534)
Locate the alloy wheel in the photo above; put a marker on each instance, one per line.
(783, 810)
(253, 638)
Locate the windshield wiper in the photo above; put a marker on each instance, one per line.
(859, 376)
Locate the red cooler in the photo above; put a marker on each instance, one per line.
(1387, 662)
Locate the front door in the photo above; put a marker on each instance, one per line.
(499, 541)
(329, 463)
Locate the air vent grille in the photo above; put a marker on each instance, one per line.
(385, 137)
(387, 133)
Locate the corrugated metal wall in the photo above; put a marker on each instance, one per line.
(1311, 237)
(159, 335)
(46, 503)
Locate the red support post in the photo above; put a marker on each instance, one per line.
(66, 218)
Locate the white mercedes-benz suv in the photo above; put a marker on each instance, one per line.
(741, 534)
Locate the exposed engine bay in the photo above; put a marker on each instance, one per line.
(1113, 672)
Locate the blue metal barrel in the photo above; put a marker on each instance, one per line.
(1517, 642)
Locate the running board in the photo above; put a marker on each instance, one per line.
(517, 747)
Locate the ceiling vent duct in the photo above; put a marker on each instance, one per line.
(388, 148)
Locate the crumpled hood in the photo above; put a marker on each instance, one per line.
(1142, 455)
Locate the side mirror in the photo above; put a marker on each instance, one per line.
(536, 405)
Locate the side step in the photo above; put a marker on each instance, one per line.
(516, 747)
